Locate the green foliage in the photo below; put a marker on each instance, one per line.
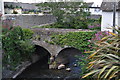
(106, 58)
(27, 33)
(11, 7)
(96, 28)
(16, 45)
(78, 40)
(15, 12)
(26, 12)
(56, 25)
(94, 24)
(26, 48)
(68, 14)
(83, 63)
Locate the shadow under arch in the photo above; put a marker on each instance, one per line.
(38, 66)
(69, 51)
(41, 51)
(67, 55)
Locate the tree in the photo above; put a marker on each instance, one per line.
(68, 14)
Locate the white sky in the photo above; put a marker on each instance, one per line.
(97, 2)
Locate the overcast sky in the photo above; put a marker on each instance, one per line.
(97, 2)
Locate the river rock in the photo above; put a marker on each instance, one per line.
(61, 66)
(75, 65)
(63, 57)
(52, 58)
(68, 69)
(52, 66)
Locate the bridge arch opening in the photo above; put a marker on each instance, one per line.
(38, 66)
(67, 56)
(44, 55)
(41, 51)
(69, 51)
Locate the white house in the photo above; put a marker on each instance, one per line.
(107, 15)
(94, 9)
(1, 6)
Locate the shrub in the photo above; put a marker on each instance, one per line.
(69, 16)
(16, 46)
(15, 12)
(99, 35)
(94, 24)
(27, 33)
(106, 58)
(75, 39)
(94, 27)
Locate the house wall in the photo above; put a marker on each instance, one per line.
(95, 12)
(119, 18)
(107, 21)
(2, 7)
(8, 11)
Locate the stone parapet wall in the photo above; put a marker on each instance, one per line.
(28, 20)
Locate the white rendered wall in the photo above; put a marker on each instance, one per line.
(107, 21)
(119, 18)
(8, 11)
(92, 10)
(2, 7)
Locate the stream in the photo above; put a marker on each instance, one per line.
(40, 69)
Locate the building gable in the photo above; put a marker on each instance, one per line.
(108, 6)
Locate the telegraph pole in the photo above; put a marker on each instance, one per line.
(114, 15)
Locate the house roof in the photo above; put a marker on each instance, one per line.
(90, 4)
(109, 6)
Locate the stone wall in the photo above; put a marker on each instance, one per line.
(28, 20)
(23, 5)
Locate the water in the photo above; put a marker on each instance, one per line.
(40, 69)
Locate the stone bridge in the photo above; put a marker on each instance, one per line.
(45, 50)
(45, 33)
(52, 49)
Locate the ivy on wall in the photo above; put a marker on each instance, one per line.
(78, 40)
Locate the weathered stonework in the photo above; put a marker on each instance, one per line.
(30, 20)
(54, 50)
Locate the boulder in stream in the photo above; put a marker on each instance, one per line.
(61, 66)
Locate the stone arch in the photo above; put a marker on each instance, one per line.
(42, 53)
(52, 49)
(41, 50)
(41, 57)
(67, 55)
(69, 50)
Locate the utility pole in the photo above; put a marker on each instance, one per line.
(114, 15)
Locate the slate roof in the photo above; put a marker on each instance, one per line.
(90, 4)
(109, 6)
